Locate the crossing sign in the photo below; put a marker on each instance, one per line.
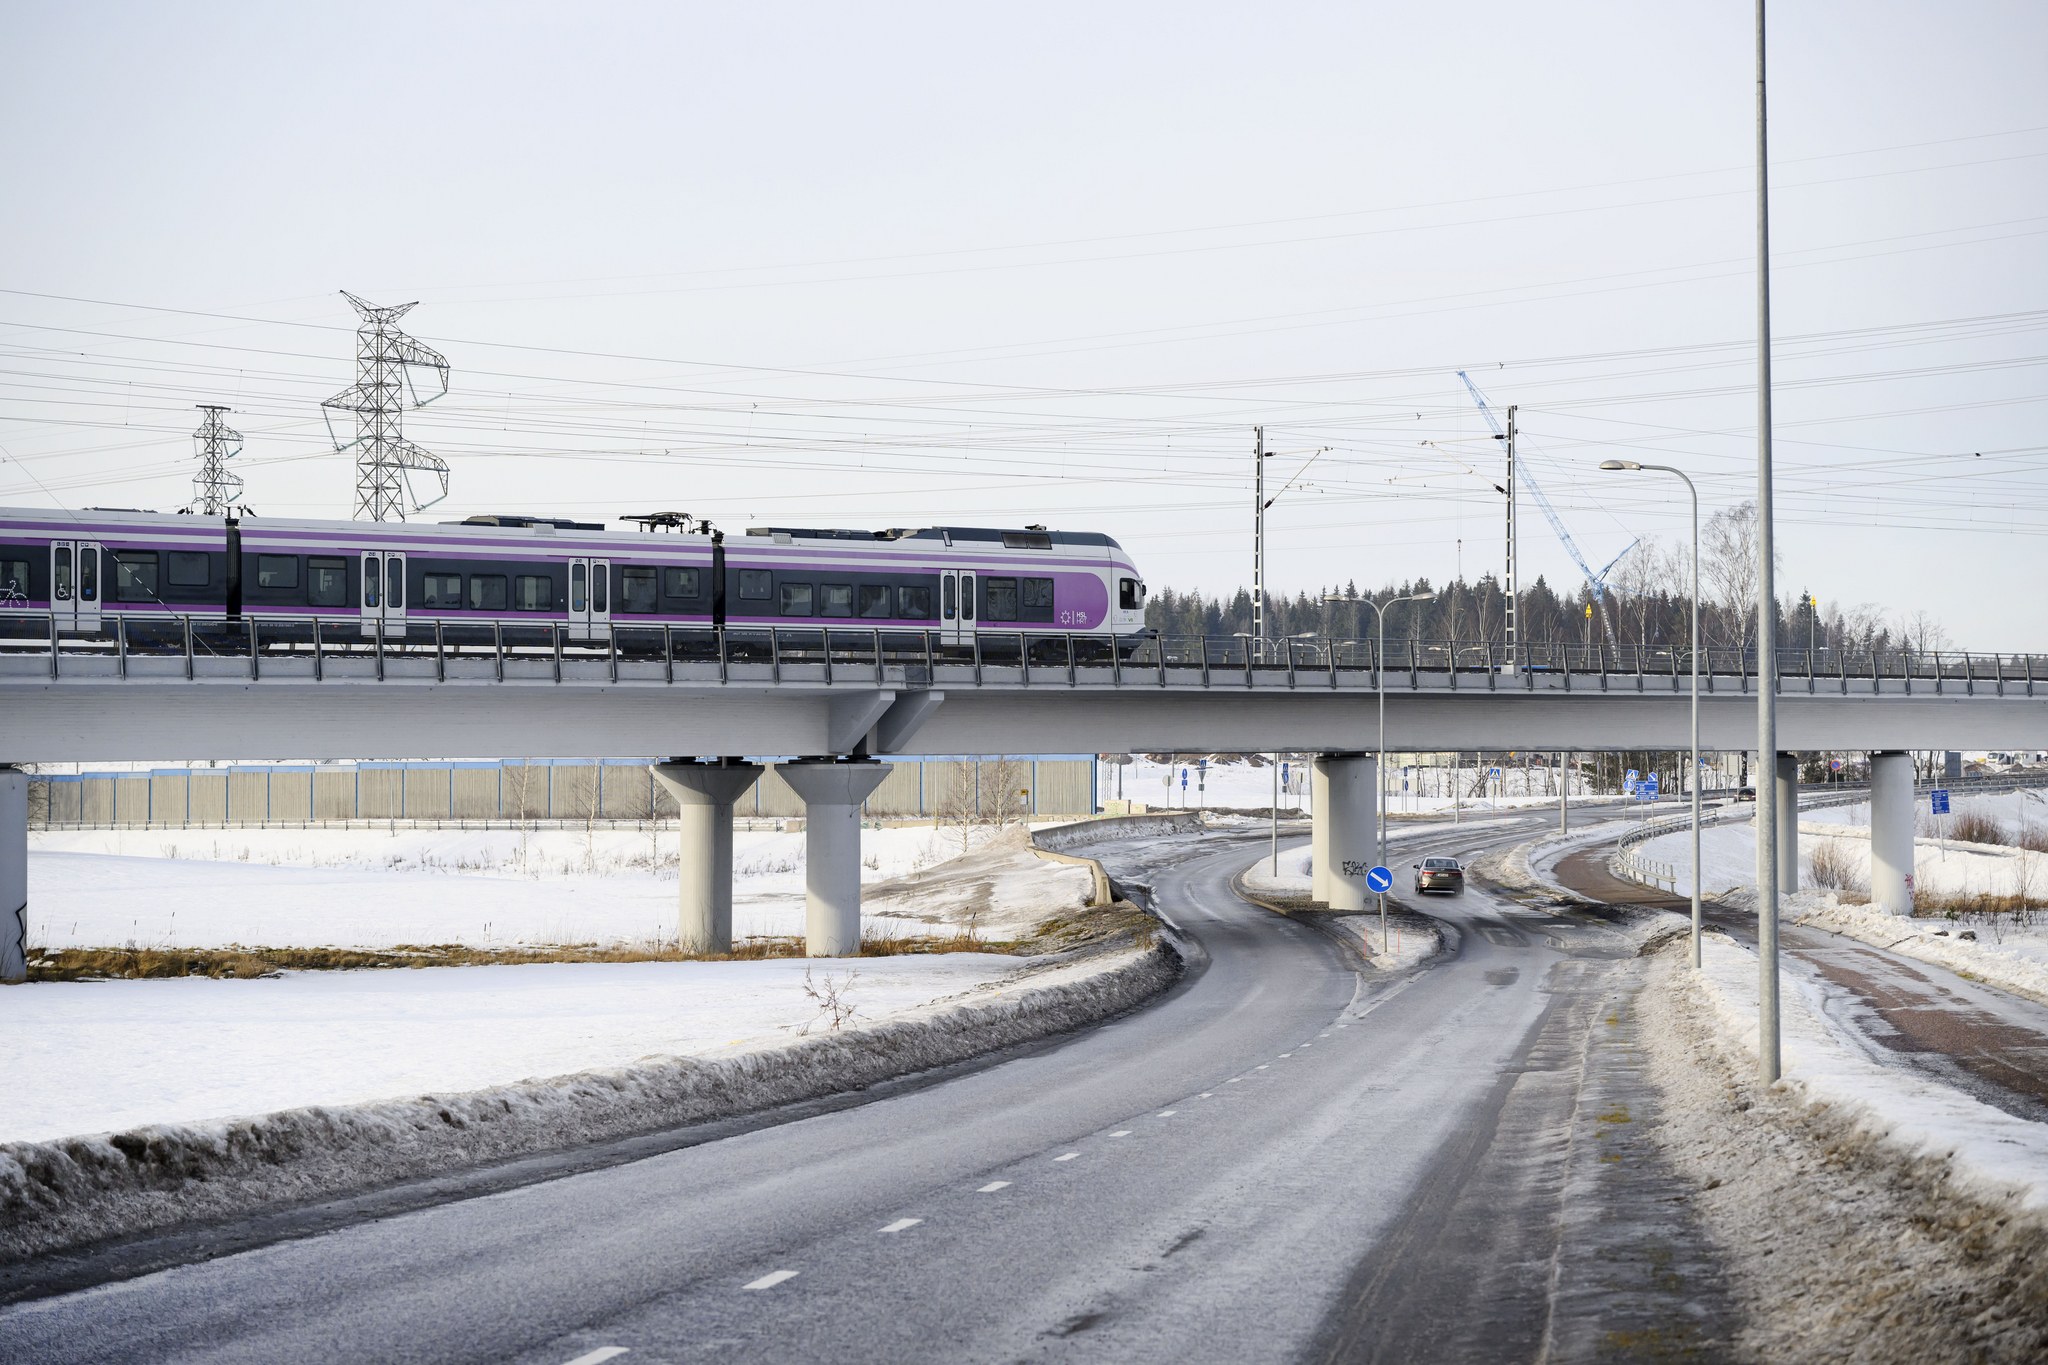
(1633, 775)
(1939, 797)
(1378, 878)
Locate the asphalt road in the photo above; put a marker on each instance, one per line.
(1283, 1159)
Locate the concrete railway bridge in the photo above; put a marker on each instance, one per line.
(827, 705)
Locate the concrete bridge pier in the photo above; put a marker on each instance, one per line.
(832, 793)
(1891, 832)
(13, 875)
(1319, 832)
(1350, 829)
(705, 793)
(1787, 778)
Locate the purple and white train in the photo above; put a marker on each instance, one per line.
(495, 572)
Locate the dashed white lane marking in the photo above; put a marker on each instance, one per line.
(1260, 1067)
(599, 1356)
(901, 1224)
(1066, 1156)
(770, 1280)
(1233, 1080)
(1206, 1094)
(993, 1186)
(1121, 1132)
(1305, 1045)
(1168, 1113)
(1283, 1056)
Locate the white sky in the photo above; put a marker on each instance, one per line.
(892, 264)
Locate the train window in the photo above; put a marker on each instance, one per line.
(1027, 540)
(1128, 594)
(835, 599)
(874, 601)
(89, 575)
(600, 576)
(757, 584)
(1035, 597)
(13, 580)
(373, 578)
(394, 582)
(135, 575)
(680, 582)
(967, 597)
(60, 586)
(533, 592)
(1001, 604)
(277, 571)
(796, 599)
(950, 592)
(915, 604)
(487, 592)
(326, 582)
(577, 578)
(187, 568)
(441, 590)
(637, 590)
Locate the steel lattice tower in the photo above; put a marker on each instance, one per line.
(214, 490)
(385, 460)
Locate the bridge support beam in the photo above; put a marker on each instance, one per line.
(704, 794)
(1319, 832)
(13, 875)
(1351, 840)
(1891, 832)
(1787, 779)
(832, 793)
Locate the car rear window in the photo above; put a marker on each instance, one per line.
(1440, 863)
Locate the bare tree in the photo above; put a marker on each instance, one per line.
(1730, 570)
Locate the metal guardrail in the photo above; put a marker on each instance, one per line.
(41, 645)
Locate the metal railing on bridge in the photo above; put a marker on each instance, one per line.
(38, 645)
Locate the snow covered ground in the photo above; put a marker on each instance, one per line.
(368, 888)
(102, 1056)
(1983, 1145)
(1728, 864)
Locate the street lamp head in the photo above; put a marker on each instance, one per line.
(1619, 464)
(1423, 597)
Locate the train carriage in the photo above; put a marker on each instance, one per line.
(501, 577)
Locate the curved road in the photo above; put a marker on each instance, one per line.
(1281, 1159)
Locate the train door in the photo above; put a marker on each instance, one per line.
(383, 593)
(75, 584)
(956, 606)
(590, 599)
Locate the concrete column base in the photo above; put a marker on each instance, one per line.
(13, 876)
(1319, 832)
(1787, 778)
(704, 794)
(832, 793)
(1891, 833)
(1352, 798)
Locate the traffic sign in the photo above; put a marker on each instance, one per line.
(1183, 779)
(1652, 783)
(1378, 878)
(1940, 799)
(1633, 774)
(1283, 774)
(1493, 772)
(1835, 765)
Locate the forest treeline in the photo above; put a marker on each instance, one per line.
(1647, 603)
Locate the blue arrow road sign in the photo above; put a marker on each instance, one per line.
(1378, 878)
(1940, 799)
(1183, 779)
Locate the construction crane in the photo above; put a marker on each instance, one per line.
(1596, 581)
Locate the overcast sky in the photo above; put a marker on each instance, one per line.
(894, 264)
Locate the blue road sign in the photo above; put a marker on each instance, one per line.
(1628, 788)
(1633, 774)
(1283, 774)
(1493, 772)
(1183, 779)
(1652, 783)
(1378, 878)
(1940, 799)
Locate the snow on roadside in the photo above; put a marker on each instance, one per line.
(1998, 1154)
(366, 888)
(1728, 859)
(107, 1055)
(2018, 968)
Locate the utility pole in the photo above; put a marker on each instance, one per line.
(1514, 613)
(1768, 1068)
(214, 490)
(1258, 640)
(385, 460)
(1564, 793)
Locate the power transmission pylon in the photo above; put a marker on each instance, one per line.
(385, 460)
(214, 490)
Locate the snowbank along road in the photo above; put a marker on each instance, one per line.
(1291, 1156)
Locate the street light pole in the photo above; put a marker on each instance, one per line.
(1379, 680)
(1768, 1068)
(1694, 651)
